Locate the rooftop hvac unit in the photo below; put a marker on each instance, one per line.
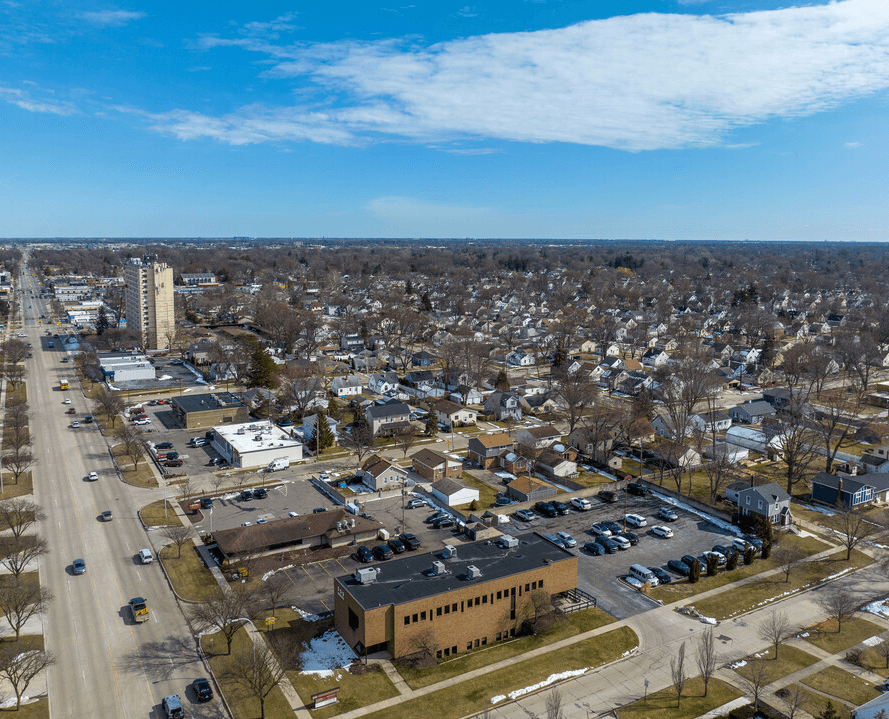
(438, 568)
(241, 431)
(339, 526)
(352, 522)
(509, 542)
(450, 552)
(473, 572)
(366, 575)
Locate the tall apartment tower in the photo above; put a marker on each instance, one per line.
(150, 301)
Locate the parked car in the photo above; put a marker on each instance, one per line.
(662, 576)
(680, 567)
(364, 554)
(621, 541)
(415, 503)
(164, 445)
(636, 520)
(723, 550)
(202, 690)
(444, 523)
(630, 537)
(560, 507)
(690, 560)
(382, 552)
(567, 539)
(594, 548)
(396, 545)
(546, 509)
(436, 515)
(637, 488)
(173, 463)
(526, 515)
(607, 495)
(720, 558)
(600, 530)
(613, 527)
(142, 421)
(246, 495)
(554, 539)
(409, 541)
(610, 545)
(661, 531)
(667, 514)
(260, 493)
(78, 566)
(504, 502)
(581, 504)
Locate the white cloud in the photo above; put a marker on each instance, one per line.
(467, 11)
(25, 101)
(112, 18)
(851, 145)
(636, 82)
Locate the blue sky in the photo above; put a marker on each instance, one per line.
(689, 119)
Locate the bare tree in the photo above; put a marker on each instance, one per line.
(110, 403)
(187, 490)
(798, 443)
(836, 422)
(839, 605)
(423, 644)
(274, 589)
(575, 393)
(257, 670)
(19, 462)
(16, 553)
(178, 534)
(678, 673)
(787, 559)
(755, 679)
(554, 705)
(19, 514)
(707, 656)
(21, 601)
(20, 668)
(225, 612)
(795, 698)
(883, 651)
(776, 629)
(852, 527)
(404, 438)
(15, 350)
(359, 440)
(132, 444)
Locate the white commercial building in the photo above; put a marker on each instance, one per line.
(123, 367)
(255, 444)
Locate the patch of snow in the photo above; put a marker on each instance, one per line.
(821, 510)
(803, 635)
(802, 534)
(737, 665)
(551, 679)
(630, 651)
(305, 615)
(10, 703)
(165, 377)
(325, 654)
(633, 582)
(879, 607)
(709, 620)
(267, 575)
(872, 641)
(762, 654)
(725, 526)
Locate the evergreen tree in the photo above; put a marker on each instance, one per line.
(502, 381)
(102, 322)
(694, 574)
(324, 438)
(427, 303)
(766, 550)
(712, 565)
(431, 425)
(560, 356)
(829, 712)
(732, 561)
(408, 287)
(263, 370)
(748, 555)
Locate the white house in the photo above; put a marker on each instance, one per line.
(382, 382)
(454, 493)
(347, 386)
(752, 439)
(520, 358)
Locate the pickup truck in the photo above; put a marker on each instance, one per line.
(139, 608)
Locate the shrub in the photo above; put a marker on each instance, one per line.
(712, 565)
(732, 561)
(748, 555)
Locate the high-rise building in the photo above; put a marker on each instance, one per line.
(149, 305)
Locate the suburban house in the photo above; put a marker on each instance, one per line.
(434, 466)
(750, 412)
(347, 386)
(382, 382)
(663, 426)
(847, 491)
(538, 437)
(583, 441)
(553, 464)
(731, 453)
(423, 359)
(503, 405)
(714, 421)
(309, 423)
(451, 414)
(520, 358)
(768, 501)
(675, 455)
(379, 473)
(754, 439)
(529, 489)
(485, 449)
(453, 492)
(386, 419)
(464, 394)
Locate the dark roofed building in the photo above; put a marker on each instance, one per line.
(208, 410)
(468, 598)
(388, 418)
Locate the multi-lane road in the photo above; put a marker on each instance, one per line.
(106, 664)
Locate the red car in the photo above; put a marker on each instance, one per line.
(173, 463)
(71, 411)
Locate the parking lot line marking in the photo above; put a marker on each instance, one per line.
(307, 574)
(321, 564)
(341, 566)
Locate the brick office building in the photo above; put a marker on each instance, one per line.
(450, 601)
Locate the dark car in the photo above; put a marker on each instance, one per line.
(637, 488)
(246, 495)
(364, 554)
(503, 502)
(546, 509)
(607, 495)
(662, 576)
(443, 523)
(382, 552)
(88, 419)
(630, 537)
(613, 527)
(440, 514)
(71, 411)
(203, 690)
(206, 503)
(594, 548)
(610, 545)
(167, 445)
(723, 550)
(691, 561)
(667, 514)
(173, 463)
(409, 541)
(261, 493)
(526, 515)
(560, 507)
(318, 510)
(78, 566)
(680, 567)
(396, 545)
(168, 455)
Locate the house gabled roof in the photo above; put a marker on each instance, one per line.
(430, 458)
(376, 466)
(501, 439)
(771, 492)
(546, 431)
(449, 487)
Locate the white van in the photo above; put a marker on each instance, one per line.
(146, 556)
(276, 465)
(643, 574)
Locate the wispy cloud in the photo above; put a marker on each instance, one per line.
(851, 145)
(26, 101)
(467, 11)
(112, 18)
(637, 82)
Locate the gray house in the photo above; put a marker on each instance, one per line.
(752, 411)
(768, 501)
(386, 419)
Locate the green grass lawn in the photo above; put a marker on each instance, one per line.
(662, 705)
(190, 579)
(33, 710)
(588, 479)
(486, 493)
(746, 597)
(22, 488)
(873, 658)
(790, 660)
(839, 683)
(682, 589)
(153, 515)
(816, 704)
(567, 626)
(141, 476)
(242, 706)
(474, 695)
(853, 631)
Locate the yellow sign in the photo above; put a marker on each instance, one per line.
(269, 621)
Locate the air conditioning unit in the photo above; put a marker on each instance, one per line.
(509, 542)
(366, 575)
(450, 551)
(438, 568)
(473, 572)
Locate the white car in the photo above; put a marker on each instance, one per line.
(75, 424)
(67, 400)
(621, 542)
(141, 421)
(293, 514)
(581, 504)
(567, 539)
(246, 524)
(93, 477)
(662, 531)
(636, 520)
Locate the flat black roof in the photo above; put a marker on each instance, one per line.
(204, 402)
(408, 578)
